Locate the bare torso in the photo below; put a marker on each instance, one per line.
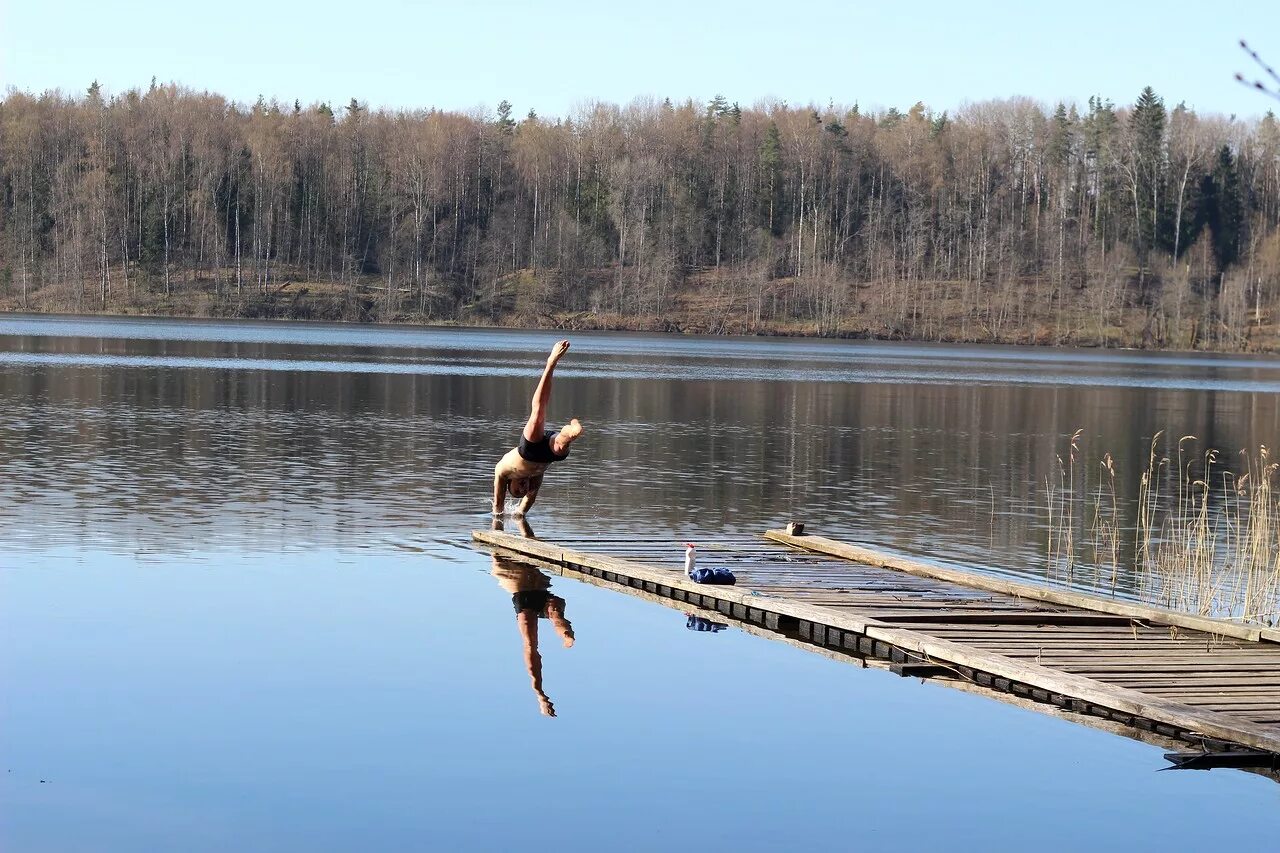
(513, 466)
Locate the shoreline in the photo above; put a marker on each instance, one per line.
(649, 324)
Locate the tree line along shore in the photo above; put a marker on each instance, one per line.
(1004, 221)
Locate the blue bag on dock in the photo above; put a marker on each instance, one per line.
(719, 577)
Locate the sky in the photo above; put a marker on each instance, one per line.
(555, 57)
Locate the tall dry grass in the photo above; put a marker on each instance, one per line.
(1201, 538)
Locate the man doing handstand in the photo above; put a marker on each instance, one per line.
(519, 473)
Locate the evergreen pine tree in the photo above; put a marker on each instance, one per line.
(771, 184)
(506, 125)
(1147, 123)
(938, 125)
(1060, 137)
(1229, 209)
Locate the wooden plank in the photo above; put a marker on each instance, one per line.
(1085, 645)
(1138, 656)
(1191, 682)
(929, 648)
(1020, 618)
(1106, 668)
(1152, 632)
(1022, 590)
(1270, 691)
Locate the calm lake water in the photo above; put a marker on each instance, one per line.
(239, 608)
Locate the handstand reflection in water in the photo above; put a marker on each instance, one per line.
(532, 599)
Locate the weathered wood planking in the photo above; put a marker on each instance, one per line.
(1047, 649)
(947, 680)
(1155, 615)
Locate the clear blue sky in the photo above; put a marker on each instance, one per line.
(552, 56)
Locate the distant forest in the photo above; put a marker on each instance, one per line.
(1136, 225)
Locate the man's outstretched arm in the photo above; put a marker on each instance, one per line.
(499, 493)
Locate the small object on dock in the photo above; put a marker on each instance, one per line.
(717, 577)
(701, 623)
(795, 528)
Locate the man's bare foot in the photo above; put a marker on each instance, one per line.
(565, 437)
(557, 352)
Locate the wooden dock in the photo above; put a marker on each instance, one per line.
(1209, 683)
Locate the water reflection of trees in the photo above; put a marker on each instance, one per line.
(199, 458)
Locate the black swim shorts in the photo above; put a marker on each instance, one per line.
(531, 599)
(539, 452)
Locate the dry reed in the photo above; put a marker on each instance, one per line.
(1205, 539)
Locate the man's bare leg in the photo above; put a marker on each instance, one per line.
(555, 612)
(537, 424)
